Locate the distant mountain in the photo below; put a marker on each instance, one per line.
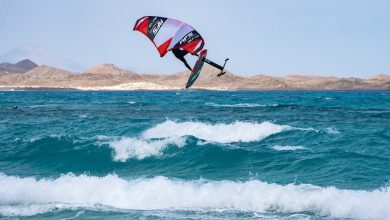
(19, 67)
(41, 56)
(26, 64)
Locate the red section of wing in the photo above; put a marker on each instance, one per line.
(142, 26)
(190, 47)
(162, 49)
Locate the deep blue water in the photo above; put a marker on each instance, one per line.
(194, 155)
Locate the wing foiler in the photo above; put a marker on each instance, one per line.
(170, 34)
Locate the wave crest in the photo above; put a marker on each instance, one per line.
(127, 147)
(153, 141)
(221, 133)
(161, 193)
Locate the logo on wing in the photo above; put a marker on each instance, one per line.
(154, 26)
(157, 26)
(191, 36)
(188, 38)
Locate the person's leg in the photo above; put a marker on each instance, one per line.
(179, 54)
(185, 63)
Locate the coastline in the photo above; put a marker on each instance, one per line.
(108, 77)
(102, 89)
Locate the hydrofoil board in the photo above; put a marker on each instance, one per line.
(197, 68)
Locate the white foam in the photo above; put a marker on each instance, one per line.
(40, 137)
(28, 196)
(105, 137)
(31, 209)
(127, 147)
(332, 131)
(288, 148)
(222, 133)
(34, 138)
(239, 105)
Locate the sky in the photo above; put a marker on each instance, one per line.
(275, 37)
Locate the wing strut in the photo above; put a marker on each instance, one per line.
(217, 65)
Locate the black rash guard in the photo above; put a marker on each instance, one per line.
(179, 54)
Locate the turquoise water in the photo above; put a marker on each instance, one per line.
(194, 155)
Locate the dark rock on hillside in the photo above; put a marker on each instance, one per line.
(19, 67)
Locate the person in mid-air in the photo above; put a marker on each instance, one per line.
(179, 54)
(169, 34)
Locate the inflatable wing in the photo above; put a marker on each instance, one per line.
(167, 34)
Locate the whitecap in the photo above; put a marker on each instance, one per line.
(105, 137)
(34, 138)
(127, 147)
(239, 105)
(221, 132)
(29, 196)
(331, 130)
(287, 148)
(31, 209)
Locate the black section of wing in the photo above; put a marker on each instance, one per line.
(188, 38)
(155, 23)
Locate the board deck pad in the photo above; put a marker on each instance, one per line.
(197, 68)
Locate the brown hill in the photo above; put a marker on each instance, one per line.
(41, 76)
(105, 75)
(107, 69)
(108, 76)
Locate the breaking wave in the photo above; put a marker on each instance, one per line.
(30, 196)
(127, 147)
(221, 132)
(154, 141)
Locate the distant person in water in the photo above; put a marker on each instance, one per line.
(14, 107)
(179, 54)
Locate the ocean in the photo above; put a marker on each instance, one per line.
(191, 154)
